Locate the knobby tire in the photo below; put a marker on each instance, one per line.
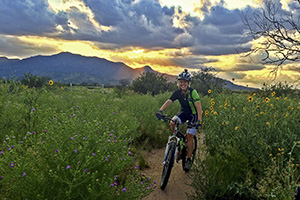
(169, 163)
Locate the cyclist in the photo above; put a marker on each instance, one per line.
(190, 110)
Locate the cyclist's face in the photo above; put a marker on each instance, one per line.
(183, 84)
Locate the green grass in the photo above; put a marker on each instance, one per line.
(58, 144)
(252, 148)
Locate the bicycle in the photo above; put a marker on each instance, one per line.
(175, 141)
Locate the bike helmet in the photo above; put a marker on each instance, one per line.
(184, 76)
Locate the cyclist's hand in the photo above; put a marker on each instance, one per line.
(159, 114)
(198, 124)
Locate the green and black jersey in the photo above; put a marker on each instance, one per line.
(187, 101)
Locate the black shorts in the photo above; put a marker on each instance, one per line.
(183, 117)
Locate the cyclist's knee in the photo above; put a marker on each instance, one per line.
(172, 124)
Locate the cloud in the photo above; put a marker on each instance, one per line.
(143, 24)
(246, 67)
(221, 32)
(26, 17)
(292, 67)
(10, 45)
(192, 62)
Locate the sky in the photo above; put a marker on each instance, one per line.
(167, 35)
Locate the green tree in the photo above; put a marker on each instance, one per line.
(153, 83)
(205, 79)
(34, 81)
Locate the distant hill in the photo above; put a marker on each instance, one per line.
(72, 68)
(231, 86)
(66, 67)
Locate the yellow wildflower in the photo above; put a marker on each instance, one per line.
(268, 123)
(267, 100)
(236, 128)
(250, 98)
(273, 94)
(50, 82)
(209, 91)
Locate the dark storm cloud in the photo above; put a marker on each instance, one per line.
(13, 46)
(221, 32)
(144, 24)
(30, 17)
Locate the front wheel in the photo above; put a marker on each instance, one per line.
(184, 153)
(169, 163)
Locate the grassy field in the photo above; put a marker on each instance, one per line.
(58, 144)
(252, 147)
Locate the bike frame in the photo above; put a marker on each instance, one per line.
(175, 141)
(177, 136)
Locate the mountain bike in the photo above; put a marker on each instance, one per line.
(177, 142)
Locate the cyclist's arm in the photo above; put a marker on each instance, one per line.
(166, 104)
(199, 110)
(197, 104)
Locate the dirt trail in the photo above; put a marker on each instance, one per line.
(177, 186)
(179, 183)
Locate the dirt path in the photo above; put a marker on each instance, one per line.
(178, 185)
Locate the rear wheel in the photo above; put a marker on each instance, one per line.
(169, 163)
(184, 153)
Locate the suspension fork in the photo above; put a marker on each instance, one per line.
(171, 138)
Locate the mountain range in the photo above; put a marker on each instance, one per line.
(72, 68)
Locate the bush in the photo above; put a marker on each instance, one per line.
(31, 80)
(205, 80)
(278, 88)
(152, 83)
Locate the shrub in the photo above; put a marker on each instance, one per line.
(152, 83)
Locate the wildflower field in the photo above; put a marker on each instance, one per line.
(57, 144)
(62, 144)
(252, 147)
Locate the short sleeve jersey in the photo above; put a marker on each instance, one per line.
(187, 102)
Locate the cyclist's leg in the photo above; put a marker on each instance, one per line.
(179, 117)
(190, 132)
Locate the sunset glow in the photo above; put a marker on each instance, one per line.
(167, 35)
